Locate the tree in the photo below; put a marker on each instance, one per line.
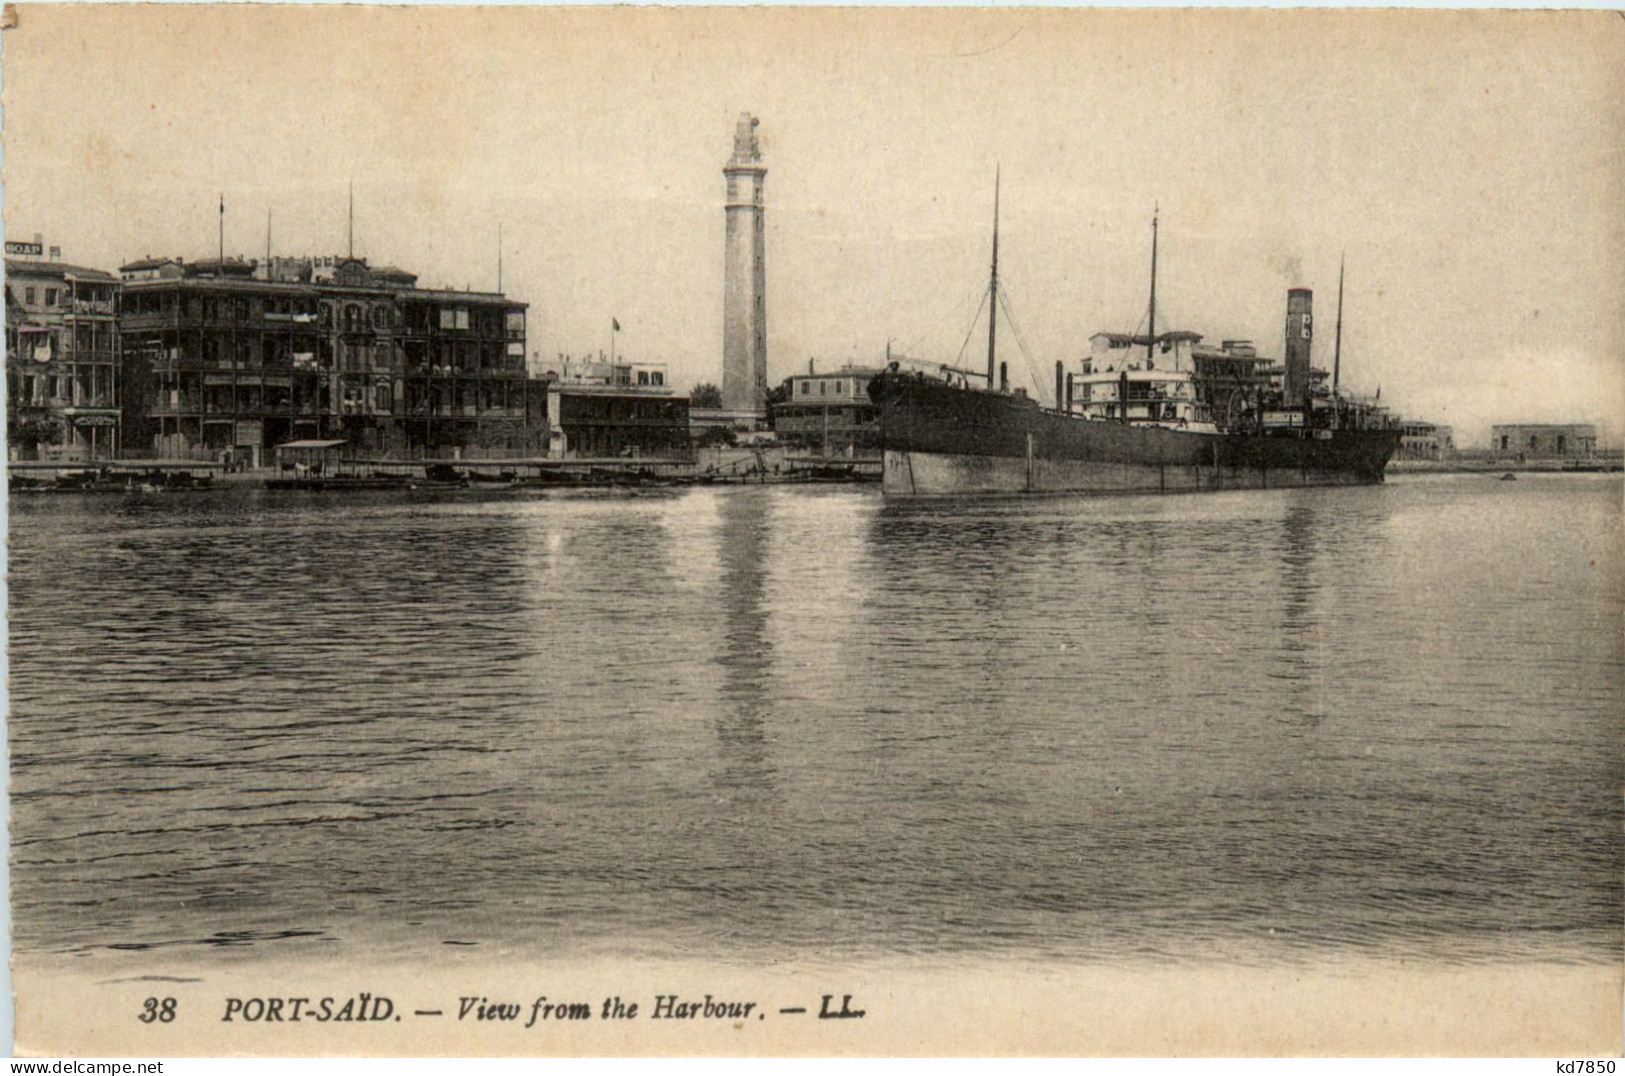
(34, 432)
(705, 395)
(713, 436)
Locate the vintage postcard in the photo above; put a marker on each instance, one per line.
(543, 531)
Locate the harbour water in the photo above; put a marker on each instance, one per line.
(1253, 727)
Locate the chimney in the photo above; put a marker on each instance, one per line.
(1300, 335)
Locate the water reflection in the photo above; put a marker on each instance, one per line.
(1251, 726)
(745, 655)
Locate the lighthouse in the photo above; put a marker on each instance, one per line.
(744, 285)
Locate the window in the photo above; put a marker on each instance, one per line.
(805, 387)
(823, 387)
(28, 296)
(839, 388)
(657, 378)
(50, 296)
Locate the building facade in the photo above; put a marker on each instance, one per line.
(1420, 440)
(615, 410)
(226, 360)
(1536, 441)
(829, 415)
(62, 360)
(744, 285)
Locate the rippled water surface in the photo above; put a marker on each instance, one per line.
(1263, 726)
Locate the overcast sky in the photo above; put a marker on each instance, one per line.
(1470, 164)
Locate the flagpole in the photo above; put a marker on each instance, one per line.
(221, 269)
(614, 326)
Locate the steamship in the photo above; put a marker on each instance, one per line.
(1158, 413)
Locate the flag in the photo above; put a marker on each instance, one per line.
(222, 203)
(616, 324)
(1379, 392)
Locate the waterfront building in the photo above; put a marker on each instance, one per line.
(744, 285)
(150, 268)
(1420, 440)
(829, 414)
(227, 359)
(1536, 441)
(62, 358)
(600, 409)
(709, 421)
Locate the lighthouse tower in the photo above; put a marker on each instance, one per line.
(744, 286)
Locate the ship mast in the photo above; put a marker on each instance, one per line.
(993, 287)
(1151, 328)
(1337, 350)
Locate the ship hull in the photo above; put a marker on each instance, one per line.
(940, 440)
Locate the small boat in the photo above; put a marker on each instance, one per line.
(335, 483)
(442, 476)
(505, 477)
(1509, 477)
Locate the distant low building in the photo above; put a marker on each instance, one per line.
(1537, 441)
(829, 414)
(1420, 440)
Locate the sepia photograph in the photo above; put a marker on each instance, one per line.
(550, 531)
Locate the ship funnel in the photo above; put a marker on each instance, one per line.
(1300, 335)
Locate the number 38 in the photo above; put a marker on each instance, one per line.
(160, 1009)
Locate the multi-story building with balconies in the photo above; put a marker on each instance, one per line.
(62, 360)
(625, 409)
(229, 359)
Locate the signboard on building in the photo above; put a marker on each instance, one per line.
(249, 434)
(33, 250)
(1283, 418)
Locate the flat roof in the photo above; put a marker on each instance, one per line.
(320, 287)
(23, 266)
